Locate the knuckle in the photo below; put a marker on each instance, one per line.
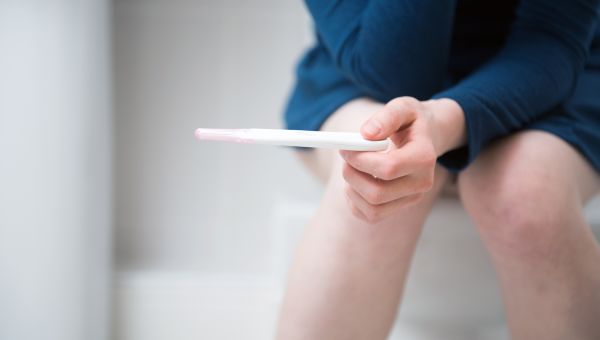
(429, 158)
(346, 172)
(404, 103)
(347, 157)
(410, 101)
(355, 212)
(375, 195)
(413, 200)
(426, 184)
(348, 191)
(388, 171)
(398, 101)
(396, 107)
(373, 214)
(417, 198)
(354, 209)
(401, 108)
(392, 112)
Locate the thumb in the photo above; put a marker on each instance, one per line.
(395, 115)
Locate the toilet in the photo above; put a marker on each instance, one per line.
(452, 291)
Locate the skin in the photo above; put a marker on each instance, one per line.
(350, 267)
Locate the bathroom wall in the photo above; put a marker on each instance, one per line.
(191, 206)
(197, 224)
(55, 130)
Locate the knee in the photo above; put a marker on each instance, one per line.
(517, 213)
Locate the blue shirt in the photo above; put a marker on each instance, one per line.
(506, 62)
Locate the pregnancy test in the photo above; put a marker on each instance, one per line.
(310, 139)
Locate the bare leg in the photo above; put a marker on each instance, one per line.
(526, 194)
(348, 275)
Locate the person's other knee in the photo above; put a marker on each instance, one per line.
(519, 210)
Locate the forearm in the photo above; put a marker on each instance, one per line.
(536, 70)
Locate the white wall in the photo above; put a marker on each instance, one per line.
(194, 221)
(179, 65)
(54, 169)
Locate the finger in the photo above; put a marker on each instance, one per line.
(391, 118)
(374, 213)
(377, 191)
(391, 164)
(354, 209)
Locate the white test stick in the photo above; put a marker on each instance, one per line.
(311, 139)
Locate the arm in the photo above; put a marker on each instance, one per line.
(387, 48)
(536, 70)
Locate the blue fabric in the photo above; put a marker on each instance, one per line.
(511, 65)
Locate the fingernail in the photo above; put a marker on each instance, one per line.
(372, 127)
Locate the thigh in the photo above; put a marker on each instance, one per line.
(525, 194)
(529, 171)
(349, 117)
(347, 276)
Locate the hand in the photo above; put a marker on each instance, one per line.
(380, 183)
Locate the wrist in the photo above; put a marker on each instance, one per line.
(448, 124)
